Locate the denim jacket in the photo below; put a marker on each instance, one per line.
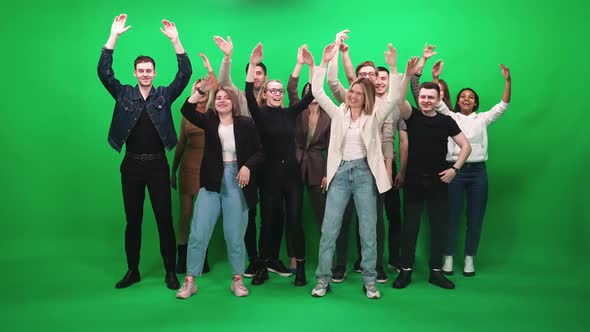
(128, 101)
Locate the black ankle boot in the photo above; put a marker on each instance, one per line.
(437, 278)
(403, 279)
(300, 279)
(131, 277)
(206, 268)
(181, 264)
(261, 274)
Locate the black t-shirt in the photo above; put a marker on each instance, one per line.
(144, 137)
(427, 136)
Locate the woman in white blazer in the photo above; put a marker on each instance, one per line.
(355, 165)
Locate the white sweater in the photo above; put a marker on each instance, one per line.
(475, 128)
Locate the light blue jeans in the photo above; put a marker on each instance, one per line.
(231, 201)
(353, 178)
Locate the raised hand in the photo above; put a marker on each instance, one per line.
(118, 27)
(170, 30)
(391, 55)
(299, 56)
(437, 69)
(243, 176)
(505, 72)
(207, 83)
(412, 66)
(206, 62)
(343, 48)
(306, 56)
(341, 37)
(226, 46)
(428, 51)
(256, 56)
(329, 52)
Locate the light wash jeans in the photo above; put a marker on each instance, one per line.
(353, 178)
(229, 200)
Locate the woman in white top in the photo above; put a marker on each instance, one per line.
(355, 165)
(471, 182)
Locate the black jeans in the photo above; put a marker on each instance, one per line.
(393, 212)
(280, 187)
(423, 190)
(135, 176)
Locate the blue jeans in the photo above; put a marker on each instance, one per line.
(230, 199)
(353, 178)
(470, 185)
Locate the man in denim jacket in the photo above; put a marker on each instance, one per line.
(142, 120)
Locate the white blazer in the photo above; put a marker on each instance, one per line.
(370, 128)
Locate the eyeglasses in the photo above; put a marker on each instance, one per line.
(370, 74)
(276, 91)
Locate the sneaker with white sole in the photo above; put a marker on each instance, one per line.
(277, 267)
(321, 288)
(238, 288)
(371, 291)
(469, 269)
(447, 268)
(188, 288)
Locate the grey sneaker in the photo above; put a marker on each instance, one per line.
(321, 288)
(371, 291)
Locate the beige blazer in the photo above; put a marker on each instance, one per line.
(370, 128)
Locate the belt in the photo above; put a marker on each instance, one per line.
(146, 156)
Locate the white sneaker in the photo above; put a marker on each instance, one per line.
(321, 288)
(447, 268)
(237, 286)
(371, 290)
(188, 288)
(469, 269)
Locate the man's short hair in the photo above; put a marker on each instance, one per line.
(142, 59)
(364, 64)
(261, 66)
(430, 86)
(381, 68)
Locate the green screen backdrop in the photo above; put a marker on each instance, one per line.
(62, 208)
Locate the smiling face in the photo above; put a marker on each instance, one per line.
(368, 72)
(467, 101)
(274, 94)
(428, 99)
(223, 103)
(381, 83)
(145, 73)
(356, 96)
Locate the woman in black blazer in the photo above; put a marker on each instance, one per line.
(232, 152)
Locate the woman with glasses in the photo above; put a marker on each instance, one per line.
(280, 184)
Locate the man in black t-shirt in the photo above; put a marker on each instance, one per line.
(427, 177)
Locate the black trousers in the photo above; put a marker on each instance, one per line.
(424, 191)
(250, 236)
(135, 176)
(281, 195)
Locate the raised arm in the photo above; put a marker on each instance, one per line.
(496, 112)
(337, 89)
(227, 47)
(294, 79)
(427, 53)
(393, 96)
(437, 70)
(184, 72)
(404, 107)
(255, 59)
(302, 104)
(317, 85)
(347, 63)
(189, 111)
(105, 63)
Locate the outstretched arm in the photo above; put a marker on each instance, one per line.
(227, 47)
(317, 85)
(171, 32)
(337, 89)
(496, 112)
(255, 59)
(105, 63)
(404, 107)
(294, 79)
(437, 70)
(117, 29)
(508, 84)
(183, 74)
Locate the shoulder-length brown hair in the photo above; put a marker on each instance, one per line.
(232, 96)
(369, 90)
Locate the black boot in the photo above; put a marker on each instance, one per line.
(206, 268)
(171, 280)
(403, 279)
(300, 279)
(181, 265)
(437, 278)
(261, 274)
(131, 277)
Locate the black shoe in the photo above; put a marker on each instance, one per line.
(381, 275)
(131, 277)
(261, 275)
(403, 279)
(338, 273)
(394, 265)
(357, 266)
(171, 280)
(181, 264)
(251, 270)
(276, 266)
(437, 278)
(300, 279)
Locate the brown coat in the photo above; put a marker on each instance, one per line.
(311, 158)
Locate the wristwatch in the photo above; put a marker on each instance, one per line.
(456, 169)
